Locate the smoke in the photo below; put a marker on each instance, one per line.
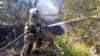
(47, 7)
(49, 11)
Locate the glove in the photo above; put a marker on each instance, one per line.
(44, 25)
(32, 29)
(38, 28)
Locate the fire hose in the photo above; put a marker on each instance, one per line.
(15, 40)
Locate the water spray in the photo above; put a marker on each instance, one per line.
(59, 23)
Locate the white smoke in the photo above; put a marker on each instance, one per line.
(48, 7)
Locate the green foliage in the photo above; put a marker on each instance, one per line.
(98, 47)
(81, 50)
(65, 48)
(84, 29)
(87, 30)
(13, 12)
(78, 8)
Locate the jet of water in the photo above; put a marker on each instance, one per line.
(59, 23)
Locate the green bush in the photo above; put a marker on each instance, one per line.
(64, 48)
(81, 50)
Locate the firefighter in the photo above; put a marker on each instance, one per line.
(31, 39)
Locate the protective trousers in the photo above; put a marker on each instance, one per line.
(31, 42)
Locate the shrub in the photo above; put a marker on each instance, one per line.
(81, 50)
(64, 48)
